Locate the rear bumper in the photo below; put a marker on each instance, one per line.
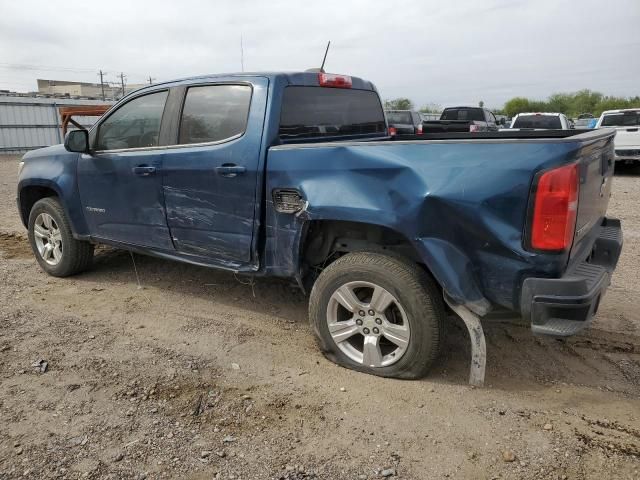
(564, 306)
(627, 154)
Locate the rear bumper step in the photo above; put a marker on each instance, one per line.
(563, 306)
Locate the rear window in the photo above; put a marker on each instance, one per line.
(467, 114)
(626, 119)
(547, 122)
(311, 112)
(399, 118)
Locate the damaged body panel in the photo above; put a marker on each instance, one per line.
(461, 205)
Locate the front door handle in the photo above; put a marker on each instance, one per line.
(230, 170)
(143, 170)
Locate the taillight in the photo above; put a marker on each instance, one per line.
(392, 131)
(419, 129)
(474, 128)
(555, 209)
(334, 80)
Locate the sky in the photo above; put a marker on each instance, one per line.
(447, 53)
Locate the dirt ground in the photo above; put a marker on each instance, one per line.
(199, 374)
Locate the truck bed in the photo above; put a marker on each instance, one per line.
(502, 134)
(462, 200)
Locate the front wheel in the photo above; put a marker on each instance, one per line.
(378, 314)
(52, 242)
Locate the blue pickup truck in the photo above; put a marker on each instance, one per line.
(294, 175)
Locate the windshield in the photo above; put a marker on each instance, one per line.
(399, 117)
(545, 122)
(325, 112)
(622, 119)
(463, 114)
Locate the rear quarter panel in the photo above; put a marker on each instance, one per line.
(463, 206)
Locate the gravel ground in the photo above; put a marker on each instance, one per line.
(194, 373)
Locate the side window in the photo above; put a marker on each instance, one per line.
(136, 124)
(214, 112)
(490, 117)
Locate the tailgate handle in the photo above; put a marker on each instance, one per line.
(632, 129)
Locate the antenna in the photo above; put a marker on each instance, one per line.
(325, 57)
(241, 54)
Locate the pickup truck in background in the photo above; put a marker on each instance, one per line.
(627, 140)
(463, 119)
(541, 121)
(294, 175)
(404, 122)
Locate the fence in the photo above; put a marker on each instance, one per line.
(27, 123)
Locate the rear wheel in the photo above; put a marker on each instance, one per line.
(379, 314)
(52, 242)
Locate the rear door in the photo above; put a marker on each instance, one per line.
(210, 174)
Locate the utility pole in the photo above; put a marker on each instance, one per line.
(102, 83)
(241, 54)
(122, 82)
(151, 80)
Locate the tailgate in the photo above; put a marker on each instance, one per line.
(596, 174)
(446, 126)
(627, 137)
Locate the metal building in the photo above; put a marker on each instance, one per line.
(27, 123)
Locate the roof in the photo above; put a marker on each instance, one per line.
(289, 78)
(622, 110)
(549, 114)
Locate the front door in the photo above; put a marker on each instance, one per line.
(120, 182)
(210, 176)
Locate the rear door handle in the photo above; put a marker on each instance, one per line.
(230, 170)
(143, 170)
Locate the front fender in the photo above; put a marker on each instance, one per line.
(54, 168)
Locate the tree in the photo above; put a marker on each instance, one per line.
(398, 104)
(431, 108)
(481, 104)
(516, 105)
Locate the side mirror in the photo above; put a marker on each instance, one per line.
(77, 141)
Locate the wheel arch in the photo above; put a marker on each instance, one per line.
(323, 241)
(29, 192)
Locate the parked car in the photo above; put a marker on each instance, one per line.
(463, 119)
(294, 175)
(541, 121)
(627, 139)
(584, 123)
(404, 122)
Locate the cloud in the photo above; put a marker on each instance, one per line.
(430, 51)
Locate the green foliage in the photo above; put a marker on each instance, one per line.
(431, 108)
(571, 104)
(398, 104)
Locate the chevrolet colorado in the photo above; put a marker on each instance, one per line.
(294, 175)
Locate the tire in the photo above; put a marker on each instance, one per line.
(69, 256)
(416, 303)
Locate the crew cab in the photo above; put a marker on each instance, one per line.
(541, 121)
(463, 119)
(294, 175)
(627, 125)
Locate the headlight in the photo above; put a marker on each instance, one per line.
(20, 165)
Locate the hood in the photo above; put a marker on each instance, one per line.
(45, 152)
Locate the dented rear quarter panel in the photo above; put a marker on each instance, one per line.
(462, 205)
